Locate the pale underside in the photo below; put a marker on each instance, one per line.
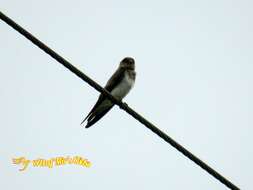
(119, 92)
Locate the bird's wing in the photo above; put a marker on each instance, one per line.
(112, 82)
(115, 79)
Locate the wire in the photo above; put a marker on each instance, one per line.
(122, 105)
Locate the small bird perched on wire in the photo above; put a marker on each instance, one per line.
(118, 85)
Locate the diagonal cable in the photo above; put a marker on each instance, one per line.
(122, 105)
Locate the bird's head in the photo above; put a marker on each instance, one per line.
(127, 63)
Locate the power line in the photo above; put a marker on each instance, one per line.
(122, 105)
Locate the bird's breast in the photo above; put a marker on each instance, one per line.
(122, 89)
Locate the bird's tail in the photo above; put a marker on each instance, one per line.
(94, 117)
(85, 119)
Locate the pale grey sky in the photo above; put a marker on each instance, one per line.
(194, 81)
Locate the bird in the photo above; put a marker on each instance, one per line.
(119, 85)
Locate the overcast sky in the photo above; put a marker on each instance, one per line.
(194, 81)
